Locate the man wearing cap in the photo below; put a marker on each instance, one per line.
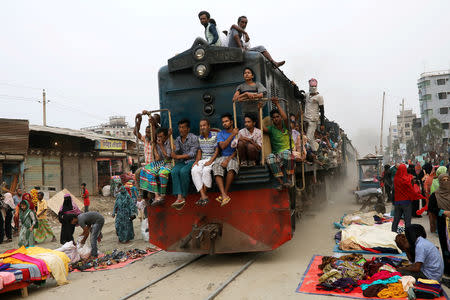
(314, 112)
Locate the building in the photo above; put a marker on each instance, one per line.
(434, 98)
(116, 127)
(404, 125)
(61, 158)
(13, 150)
(393, 135)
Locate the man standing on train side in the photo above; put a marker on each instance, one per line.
(186, 146)
(227, 161)
(314, 111)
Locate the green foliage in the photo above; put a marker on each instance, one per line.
(432, 134)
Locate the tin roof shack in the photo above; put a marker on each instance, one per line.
(13, 149)
(61, 158)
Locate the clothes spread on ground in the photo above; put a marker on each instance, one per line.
(371, 236)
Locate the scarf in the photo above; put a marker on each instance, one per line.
(69, 206)
(435, 185)
(27, 197)
(23, 214)
(9, 200)
(443, 193)
(404, 190)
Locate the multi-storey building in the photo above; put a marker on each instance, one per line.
(117, 127)
(404, 125)
(434, 97)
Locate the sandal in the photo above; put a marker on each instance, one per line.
(178, 204)
(157, 202)
(199, 202)
(219, 199)
(204, 202)
(225, 201)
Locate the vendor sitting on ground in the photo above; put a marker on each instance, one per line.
(92, 222)
(425, 256)
(248, 142)
(280, 161)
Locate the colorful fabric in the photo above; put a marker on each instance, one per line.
(35, 273)
(404, 191)
(124, 210)
(155, 177)
(232, 165)
(379, 276)
(20, 258)
(280, 140)
(28, 220)
(57, 266)
(27, 197)
(277, 161)
(208, 145)
(6, 278)
(393, 290)
(43, 231)
(147, 149)
(392, 279)
(42, 206)
(34, 196)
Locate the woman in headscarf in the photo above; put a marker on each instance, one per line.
(65, 215)
(435, 185)
(28, 221)
(426, 261)
(125, 212)
(6, 215)
(404, 193)
(438, 203)
(26, 197)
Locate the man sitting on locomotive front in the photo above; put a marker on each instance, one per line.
(186, 146)
(208, 152)
(227, 161)
(248, 142)
(248, 92)
(281, 159)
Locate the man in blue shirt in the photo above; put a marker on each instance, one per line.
(427, 261)
(227, 160)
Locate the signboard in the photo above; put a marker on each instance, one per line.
(110, 145)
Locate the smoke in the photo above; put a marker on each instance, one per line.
(365, 140)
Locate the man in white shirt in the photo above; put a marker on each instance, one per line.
(248, 142)
(314, 112)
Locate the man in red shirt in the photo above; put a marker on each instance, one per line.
(85, 195)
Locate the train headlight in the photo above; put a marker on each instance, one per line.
(207, 98)
(199, 54)
(200, 70)
(208, 109)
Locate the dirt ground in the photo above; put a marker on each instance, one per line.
(274, 275)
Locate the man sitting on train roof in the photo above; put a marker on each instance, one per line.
(227, 161)
(208, 152)
(248, 142)
(280, 161)
(248, 92)
(186, 146)
(235, 40)
(211, 34)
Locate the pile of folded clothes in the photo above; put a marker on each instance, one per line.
(375, 278)
(110, 259)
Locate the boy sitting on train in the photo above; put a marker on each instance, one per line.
(248, 92)
(248, 142)
(155, 176)
(208, 152)
(186, 147)
(227, 161)
(280, 161)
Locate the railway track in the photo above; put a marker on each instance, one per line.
(211, 296)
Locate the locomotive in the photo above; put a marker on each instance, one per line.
(199, 83)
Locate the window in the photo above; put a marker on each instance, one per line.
(443, 110)
(407, 125)
(442, 95)
(394, 130)
(423, 84)
(441, 81)
(407, 133)
(429, 113)
(445, 140)
(425, 97)
(444, 125)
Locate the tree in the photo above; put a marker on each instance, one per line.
(432, 134)
(410, 147)
(396, 150)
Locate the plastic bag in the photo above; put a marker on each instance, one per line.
(71, 251)
(83, 250)
(106, 191)
(144, 230)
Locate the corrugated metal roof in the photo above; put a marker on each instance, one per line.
(78, 133)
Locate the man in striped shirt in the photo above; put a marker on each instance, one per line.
(201, 170)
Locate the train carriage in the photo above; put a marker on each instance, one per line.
(199, 83)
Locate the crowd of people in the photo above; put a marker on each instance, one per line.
(415, 188)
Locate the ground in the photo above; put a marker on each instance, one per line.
(274, 275)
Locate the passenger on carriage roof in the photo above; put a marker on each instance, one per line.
(208, 152)
(227, 161)
(186, 146)
(211, 34)
(249, 91)
(235, 40)
(280, 161)
(248, 141)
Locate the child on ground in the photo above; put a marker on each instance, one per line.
(85, 195)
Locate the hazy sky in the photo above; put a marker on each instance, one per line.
(101, 58)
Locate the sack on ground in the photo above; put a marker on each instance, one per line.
(71, 251)
(83, 250)
(144, 230)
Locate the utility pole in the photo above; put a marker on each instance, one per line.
(44, 108)
(382, 121)
(403, 120)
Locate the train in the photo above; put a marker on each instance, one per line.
(199, 83)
